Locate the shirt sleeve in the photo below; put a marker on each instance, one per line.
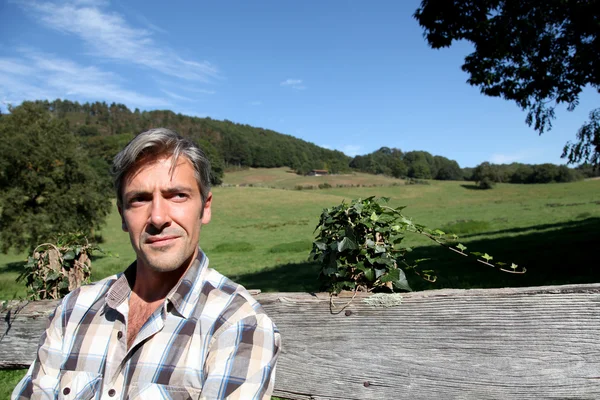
(241, 360)
(41, 380)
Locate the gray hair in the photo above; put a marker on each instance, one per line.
(159, 142)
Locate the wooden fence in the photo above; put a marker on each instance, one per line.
(518, 343)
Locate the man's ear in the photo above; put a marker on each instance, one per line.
(206, 214)
(123, 224)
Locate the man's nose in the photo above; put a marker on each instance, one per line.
(159, 214)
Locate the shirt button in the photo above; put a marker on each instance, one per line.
(119, 335)
(112, 392)
(66, 391)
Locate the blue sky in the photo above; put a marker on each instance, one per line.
(347, 75)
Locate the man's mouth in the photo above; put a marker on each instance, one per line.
(160, 240)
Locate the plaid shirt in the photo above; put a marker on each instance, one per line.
(210, 340)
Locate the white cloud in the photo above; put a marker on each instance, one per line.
(109, 36)
(50, 77)
(294, 84)
(520, 156)
(351, 150)
(176, 96)
(326, 146)
(256, 103)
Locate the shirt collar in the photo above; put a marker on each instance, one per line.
(181, 296)
(121, 289)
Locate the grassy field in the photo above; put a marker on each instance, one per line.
(284, 178)
(261, 236)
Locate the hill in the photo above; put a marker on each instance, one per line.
(104, 129)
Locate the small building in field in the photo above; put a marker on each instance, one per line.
(318, 172)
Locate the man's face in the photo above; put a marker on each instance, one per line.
(162, 211)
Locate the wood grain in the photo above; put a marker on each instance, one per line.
(517, 343)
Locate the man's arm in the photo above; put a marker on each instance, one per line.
(241, 360)
(41, 380)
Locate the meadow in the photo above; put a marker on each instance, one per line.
(260, 235)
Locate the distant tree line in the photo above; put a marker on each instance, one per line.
(486, 174)
(423, 165)
(412, 164)
(103, 129)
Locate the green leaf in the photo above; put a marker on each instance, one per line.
(374, 216)
(461, 247)
(329, 270)
(52, 276)
(320, 245)
(69, 255)
(370, 275)
(402, 282)
(392, 275)
(346, 244)
(379, 249)
(487, 257)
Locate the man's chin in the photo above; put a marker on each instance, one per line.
(162, 260)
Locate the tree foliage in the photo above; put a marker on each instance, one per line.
(47, 185)
(413, 164)
(539, 54)
(104, 130)
(487, 174)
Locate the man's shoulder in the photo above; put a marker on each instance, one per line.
(234, 300)
(90, 293)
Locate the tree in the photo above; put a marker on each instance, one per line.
(47, 186)
(447, 170)
(486, 175)
(539, 54)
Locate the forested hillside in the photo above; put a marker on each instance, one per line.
(104, 130)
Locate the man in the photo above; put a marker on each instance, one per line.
(168, 327)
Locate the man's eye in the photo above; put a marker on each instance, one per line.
(137, 200)
(180, 195)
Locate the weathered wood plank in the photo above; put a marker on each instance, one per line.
(515, 343)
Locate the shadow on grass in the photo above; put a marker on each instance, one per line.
(543, 227)
(472, 187)
(565, 255)
(15, 266)
(292, 277)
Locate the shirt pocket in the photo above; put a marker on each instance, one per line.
(154, 391)
(78, 385)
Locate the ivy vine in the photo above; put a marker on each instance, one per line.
(359, 247)
(55, 269)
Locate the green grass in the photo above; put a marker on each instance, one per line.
(293, 247)
(261, 237)
(284, 178)
(465, 226)
(257, 235)
(233, 247)
(8, 381)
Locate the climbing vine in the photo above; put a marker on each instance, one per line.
(359, 247)
(55, 269)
